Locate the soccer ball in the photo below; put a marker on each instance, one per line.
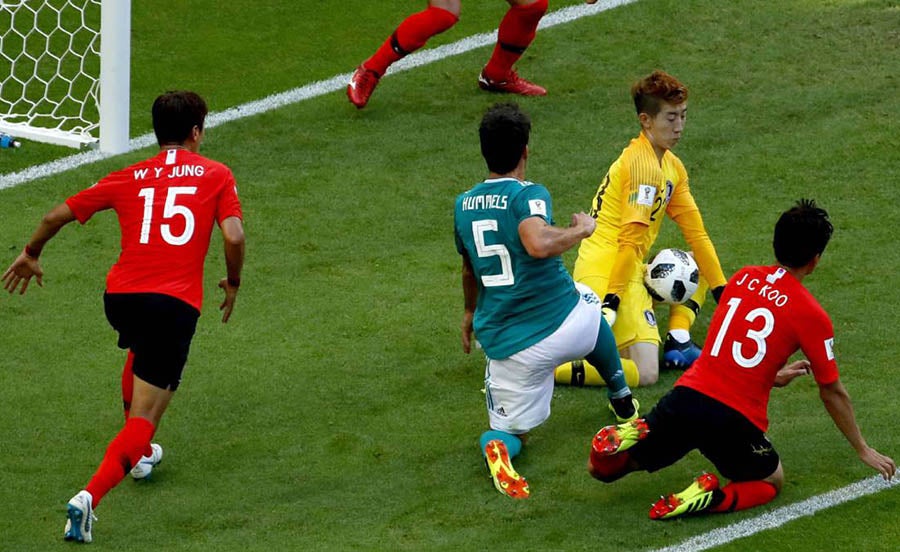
(672, 276)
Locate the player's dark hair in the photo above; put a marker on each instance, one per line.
(504, 133)
(801, 233)
(175, 114)
(651, 91)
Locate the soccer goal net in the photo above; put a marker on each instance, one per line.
(65, 71)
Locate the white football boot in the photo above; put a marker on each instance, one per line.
(146, 464)
(80, 518)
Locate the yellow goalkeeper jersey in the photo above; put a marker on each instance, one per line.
(640, 189)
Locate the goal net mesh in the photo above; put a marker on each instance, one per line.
(51, 53)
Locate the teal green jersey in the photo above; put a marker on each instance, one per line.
(521, 299)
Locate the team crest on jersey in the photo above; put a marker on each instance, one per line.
(650, 317)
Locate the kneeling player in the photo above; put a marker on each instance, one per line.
(719, 405)
(519, 299)
(645, 185)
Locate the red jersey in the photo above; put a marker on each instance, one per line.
(167, 206)
(764, 316)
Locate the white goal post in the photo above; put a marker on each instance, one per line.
(65, 72)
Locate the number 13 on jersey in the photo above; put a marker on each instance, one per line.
(757, 336)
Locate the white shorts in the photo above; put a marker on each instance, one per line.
(519, 388)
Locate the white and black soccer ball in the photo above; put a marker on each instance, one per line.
(672, 276)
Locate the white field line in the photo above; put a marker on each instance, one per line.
(309, 91)
(780, 516)
(714, 538)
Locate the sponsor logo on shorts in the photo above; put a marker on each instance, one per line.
(650, 317)
(762, 451)
(500, 412)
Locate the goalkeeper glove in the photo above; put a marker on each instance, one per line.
(609, 307)
(717, 293)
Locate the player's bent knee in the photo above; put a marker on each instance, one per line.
(609, 468)
(601, 475)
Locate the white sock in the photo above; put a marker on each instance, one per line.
(681, 336)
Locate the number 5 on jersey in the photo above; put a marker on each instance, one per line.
(170, 211)
(506, 276)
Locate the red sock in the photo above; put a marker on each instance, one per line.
(745, 494)
(608, 468)
(410, 35)
(516, 32)
(128, 392)
(124, 451)
(127, 384)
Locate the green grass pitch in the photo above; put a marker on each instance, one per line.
(336, 410)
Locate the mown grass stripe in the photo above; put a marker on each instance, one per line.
(306, 92)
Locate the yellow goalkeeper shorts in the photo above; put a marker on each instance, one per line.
(635, 319)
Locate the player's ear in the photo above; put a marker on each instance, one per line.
(645, 119)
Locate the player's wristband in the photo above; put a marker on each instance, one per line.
(611, 301)
(34, 254)
(717, 293)
(234, 282)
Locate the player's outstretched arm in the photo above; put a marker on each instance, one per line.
(542, 240)
(233, 236)
(837, 403)
(26, 265)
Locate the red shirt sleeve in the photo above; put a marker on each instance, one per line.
(228, 204)
(817, 344)
(87, 202)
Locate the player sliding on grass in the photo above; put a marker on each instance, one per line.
(719, 405)
(167, 207)
(517, 30)
(520, 300)
(644, 186)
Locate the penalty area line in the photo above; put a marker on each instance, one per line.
(309, 91)
(780, 516)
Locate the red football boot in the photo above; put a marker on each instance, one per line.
(513, 84)
(361, 86)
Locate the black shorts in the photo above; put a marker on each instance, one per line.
(158, 329)
(685, 419)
